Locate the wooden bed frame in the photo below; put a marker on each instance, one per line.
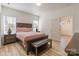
(28, 25)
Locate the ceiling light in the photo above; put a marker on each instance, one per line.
(38, 4)
(8, 3)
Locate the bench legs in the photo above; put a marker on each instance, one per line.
(50, 43)
(28, 47)
(27, 52)
(36, 51)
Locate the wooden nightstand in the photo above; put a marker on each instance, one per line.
(9, 38)
(37, 31)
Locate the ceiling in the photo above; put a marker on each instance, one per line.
(37, 10)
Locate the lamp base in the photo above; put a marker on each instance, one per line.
(9, 31)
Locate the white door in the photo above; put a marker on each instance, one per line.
(66, 25)
(66, 30)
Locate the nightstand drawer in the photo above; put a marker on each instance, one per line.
(9, 38)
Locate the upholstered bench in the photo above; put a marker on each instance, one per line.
(40, 43)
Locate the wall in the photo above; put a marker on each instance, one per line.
(49, 22)
(22, 17)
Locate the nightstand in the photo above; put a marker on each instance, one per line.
(9, 38)
(37, 31)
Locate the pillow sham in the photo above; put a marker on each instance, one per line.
(23, 29)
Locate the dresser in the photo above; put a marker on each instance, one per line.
(9, 38)
(73, 46)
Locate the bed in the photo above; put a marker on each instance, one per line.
(27, 36)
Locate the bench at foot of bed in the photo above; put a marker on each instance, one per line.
(40, 43)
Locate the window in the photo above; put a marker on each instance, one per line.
(36, 23)
(9, 22)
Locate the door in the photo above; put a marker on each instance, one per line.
(66, 30)
(66, 25)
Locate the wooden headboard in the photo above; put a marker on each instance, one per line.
(27, 25)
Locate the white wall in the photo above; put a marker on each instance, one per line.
(22, 17)
(49, 22)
